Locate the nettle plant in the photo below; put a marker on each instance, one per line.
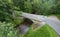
(7, 30)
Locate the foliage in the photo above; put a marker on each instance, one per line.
(6, 10)
(7, 30)
(58, 16)
(10, 12)
(44, 7)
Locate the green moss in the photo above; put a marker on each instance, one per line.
(45, 31)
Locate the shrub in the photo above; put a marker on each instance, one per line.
(7, 30)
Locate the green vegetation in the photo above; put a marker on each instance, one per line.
(7, 30)
(10, 11)
(58, 16)
(45, 31)
(41, 7)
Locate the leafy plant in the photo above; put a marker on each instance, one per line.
(7, 30)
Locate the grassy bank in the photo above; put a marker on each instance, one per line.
(45, 31)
